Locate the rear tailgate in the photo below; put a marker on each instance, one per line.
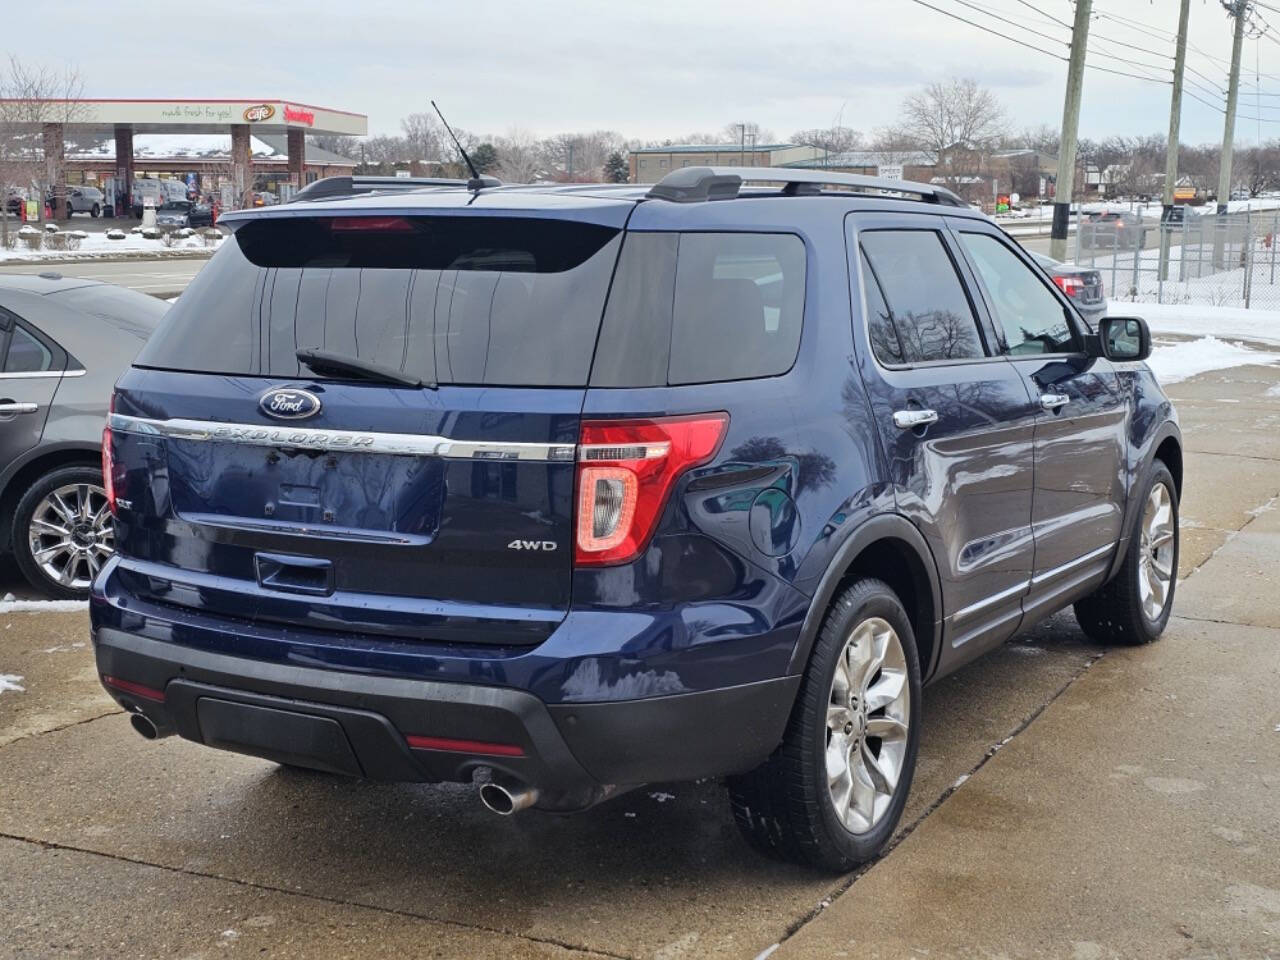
(433, 513)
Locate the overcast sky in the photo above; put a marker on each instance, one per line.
(648, 69)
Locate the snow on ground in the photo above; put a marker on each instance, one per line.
(10, 682)
(42, 606)
(1172, 363)
(1261, 326)
(97, 245)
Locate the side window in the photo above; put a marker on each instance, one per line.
(1032, 318)
(702, 308)
(26, 354)
(927, 306)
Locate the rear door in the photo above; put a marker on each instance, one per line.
(955, 420)
(261, 486)
(1080, 435)
(30, 368)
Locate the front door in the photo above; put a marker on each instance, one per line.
(955, 420)
(1080, 436)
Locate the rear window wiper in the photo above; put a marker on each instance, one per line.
(322, 361)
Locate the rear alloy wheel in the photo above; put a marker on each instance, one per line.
(95, 211)
(63, 532)
(832, 793)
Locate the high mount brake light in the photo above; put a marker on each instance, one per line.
(370, 225)
(626, 469)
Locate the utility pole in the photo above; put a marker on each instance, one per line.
(1240, 10)
(1070, 127)
(1175, 123)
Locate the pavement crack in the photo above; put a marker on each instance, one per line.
(1254, 514)
(64, 726)
(846, 883)
(316, 897)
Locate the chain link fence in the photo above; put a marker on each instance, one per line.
(1220, 260)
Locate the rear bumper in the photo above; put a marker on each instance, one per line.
(362, 724)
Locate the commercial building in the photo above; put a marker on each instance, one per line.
(651, 164)
(122, 119)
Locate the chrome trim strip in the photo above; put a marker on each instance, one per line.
(42, 374)
(1040, 578)
(343, 441)
(995, 598)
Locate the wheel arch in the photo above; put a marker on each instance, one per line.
(1164, 446)
(887, 547)
(17, 479)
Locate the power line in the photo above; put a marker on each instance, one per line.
(1047, 16)
(996, 16)
(993, 32)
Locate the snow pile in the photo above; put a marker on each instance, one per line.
(114, 241)
(1261, 326)
(42, 606)
(1173, 363)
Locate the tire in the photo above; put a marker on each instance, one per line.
(52, 503)
(95, 211)
(785, 807)
(1120, 612)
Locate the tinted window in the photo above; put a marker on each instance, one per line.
(1031, 317)
(702, 307)
(883, 334)
(931, 314)
(26, 354)
(479, 300)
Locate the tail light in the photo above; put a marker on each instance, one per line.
(108, 461)
(626, 469)
(1071, 286)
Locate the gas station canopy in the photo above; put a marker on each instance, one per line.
(102, 117)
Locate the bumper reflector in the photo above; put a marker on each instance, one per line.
(134, 689)
(478, 747)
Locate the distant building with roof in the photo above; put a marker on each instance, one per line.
(651, 164)
(918, 165)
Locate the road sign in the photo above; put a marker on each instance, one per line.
(890, 171)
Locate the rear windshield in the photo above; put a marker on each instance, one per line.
(492, 301)
(455, 300)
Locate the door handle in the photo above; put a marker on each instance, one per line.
(10, 407)
(1054, 401)
(910, 419)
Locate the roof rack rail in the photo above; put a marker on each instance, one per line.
(699, 184)
(328, 187)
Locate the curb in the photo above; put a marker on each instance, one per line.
(111, 258)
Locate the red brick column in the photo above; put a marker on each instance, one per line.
(123, 199)
(242, 164)
(297, 140)
(55, 169)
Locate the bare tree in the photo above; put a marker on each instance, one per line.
(519, 157)
(33, 101)
(958, 113)
(831, 140)
(746, 132)
(579, 156)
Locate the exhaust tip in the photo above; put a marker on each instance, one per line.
(505, 801)
(144, 726)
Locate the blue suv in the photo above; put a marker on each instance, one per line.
(564, 490)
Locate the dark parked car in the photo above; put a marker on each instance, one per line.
(200, 215)
(1082, 284)
(569, 489)
(1114, 231)
(63, 343)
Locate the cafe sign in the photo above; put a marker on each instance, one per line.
(259, 112)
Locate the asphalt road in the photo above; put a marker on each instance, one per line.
(168, 277)
(1069, 802)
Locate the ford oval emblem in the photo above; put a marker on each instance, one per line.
(288, 403)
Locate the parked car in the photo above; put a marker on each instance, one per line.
(200, 215)
(1179, 214)
(1082, 284)
(631, 490)
(63, 343)
(265, 198)
(159, 192)
(85, 200)
(174, 213)
(1114, 230)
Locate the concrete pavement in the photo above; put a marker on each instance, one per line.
(1129, 811)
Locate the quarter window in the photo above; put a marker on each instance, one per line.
(928, 316)
(27, 354)
(1031, 317)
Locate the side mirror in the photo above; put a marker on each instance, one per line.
(1124, 338)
